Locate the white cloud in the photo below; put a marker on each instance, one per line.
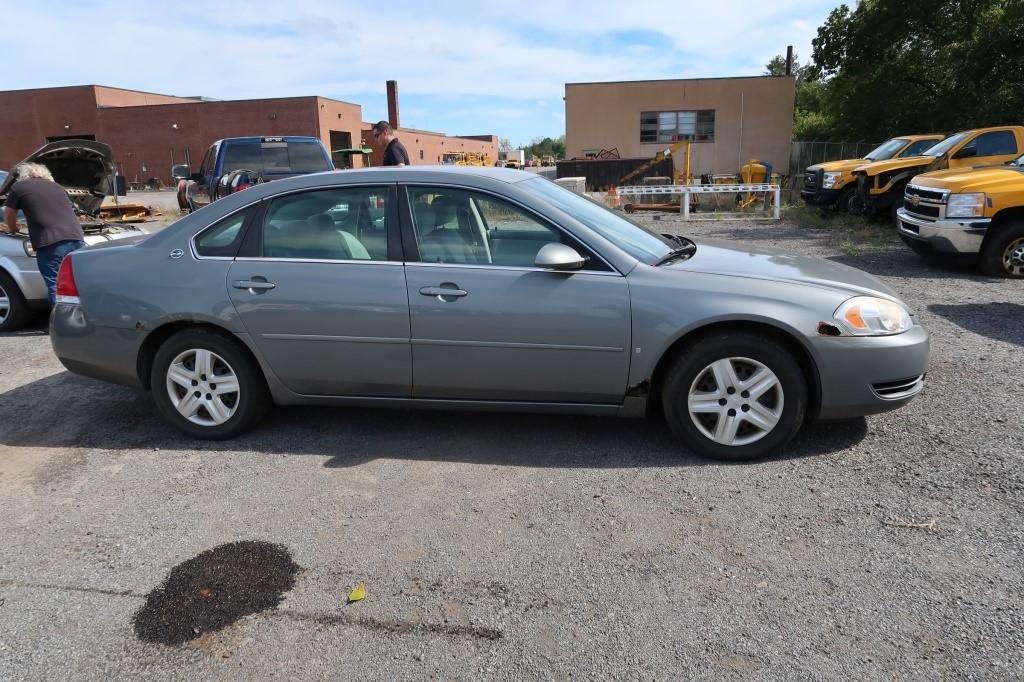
(446, 48)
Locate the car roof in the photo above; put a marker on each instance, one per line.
(472, 175)
(267, 138)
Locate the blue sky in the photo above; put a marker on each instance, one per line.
(462, 67)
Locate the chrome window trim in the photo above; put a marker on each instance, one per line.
(260, 259)
(544, 220)
(517, 268)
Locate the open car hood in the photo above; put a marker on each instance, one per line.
(82, 167)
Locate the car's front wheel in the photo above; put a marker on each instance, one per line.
(206, 385)
(735, 396)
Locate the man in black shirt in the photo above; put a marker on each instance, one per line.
(53, 227)
(394, 151)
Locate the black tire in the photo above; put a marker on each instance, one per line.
(1002, 253)
(848, 201)
(18, 313)
(692, 365)
(250, 403)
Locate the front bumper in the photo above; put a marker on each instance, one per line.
(820, 197)
(944, 236)
(862, 375)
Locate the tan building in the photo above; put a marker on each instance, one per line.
(728, 120)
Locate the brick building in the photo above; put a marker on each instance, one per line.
(149, 133)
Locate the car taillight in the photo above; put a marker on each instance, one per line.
(380, 202)
(67, 290)
(242, 185)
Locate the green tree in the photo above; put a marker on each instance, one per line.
(920, 66)
(545, 146)
(810, 122)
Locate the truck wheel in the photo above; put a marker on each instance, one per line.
(849, 202)
(14, 312)
(735, 396)
(1002, 253)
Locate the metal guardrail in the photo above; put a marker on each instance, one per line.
(687, 190)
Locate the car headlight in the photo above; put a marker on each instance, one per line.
(965, 205)
(830, 180)
(870, 316)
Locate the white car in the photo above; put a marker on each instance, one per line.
(84, 168)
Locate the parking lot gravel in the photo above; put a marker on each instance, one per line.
(512, 547)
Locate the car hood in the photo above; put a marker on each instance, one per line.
(981, 179)
(82, 167)
(842, 166)
(896, 164)
(720, 258)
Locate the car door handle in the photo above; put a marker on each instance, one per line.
(443, 292)
(253, 284)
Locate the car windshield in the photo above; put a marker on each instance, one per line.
(947, 144)
(886, 150)
(634, 239)
(1018, 162)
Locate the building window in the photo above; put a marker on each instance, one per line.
(672, 126)
(421, 155)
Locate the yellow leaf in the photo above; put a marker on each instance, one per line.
(358, 593)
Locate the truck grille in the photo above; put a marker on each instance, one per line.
(895, 390)
(937, 196)
(810, 180)
(924, 210)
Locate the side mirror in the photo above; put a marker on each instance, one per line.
(555, 256)
(196, 177)
(966, 152)
(181, 172)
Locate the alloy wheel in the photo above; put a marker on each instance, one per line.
(203, 387)
(1013, 258)
(5, 304)
(735, 401)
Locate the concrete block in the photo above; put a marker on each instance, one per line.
(578, 185)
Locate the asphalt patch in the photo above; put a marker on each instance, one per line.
(215, 589)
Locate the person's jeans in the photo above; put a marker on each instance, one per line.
(48, 259)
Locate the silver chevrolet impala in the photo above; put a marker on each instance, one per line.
(483, 289)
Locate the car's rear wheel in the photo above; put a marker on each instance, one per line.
(206, 385)
(14, 312)
(735, 396)
(1002, 254)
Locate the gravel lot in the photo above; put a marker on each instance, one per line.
(528, 547)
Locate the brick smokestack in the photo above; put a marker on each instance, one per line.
(393, 104)
(789, 64)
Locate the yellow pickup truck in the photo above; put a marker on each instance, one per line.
(968, 212)
(833, 185)
(880, 184)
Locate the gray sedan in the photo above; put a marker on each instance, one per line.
(484, 289)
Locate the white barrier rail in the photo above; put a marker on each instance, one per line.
(687, 190)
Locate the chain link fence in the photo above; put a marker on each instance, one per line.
(804, 153)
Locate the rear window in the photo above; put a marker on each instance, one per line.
(275, 157)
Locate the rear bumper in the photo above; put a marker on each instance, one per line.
(98, 352)
(868, 375)
(944, 236)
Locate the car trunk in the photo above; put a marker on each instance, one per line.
(82, 167)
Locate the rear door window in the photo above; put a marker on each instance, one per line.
(329, 224)
(223, 238)
(996, 143)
